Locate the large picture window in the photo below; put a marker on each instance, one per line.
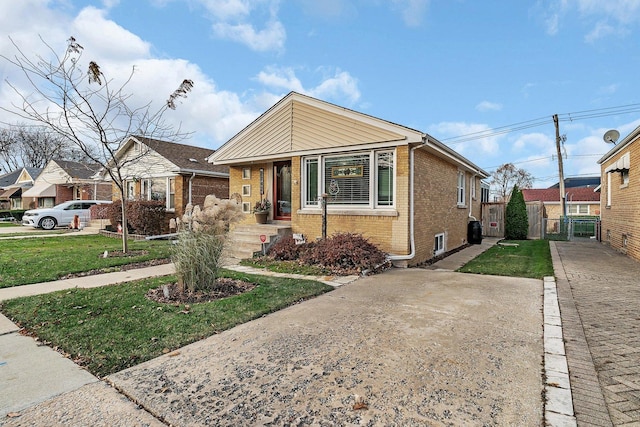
(163, 189)
(353, 180)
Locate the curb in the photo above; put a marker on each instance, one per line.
(558, 405)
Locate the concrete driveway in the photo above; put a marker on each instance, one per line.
(408, 347)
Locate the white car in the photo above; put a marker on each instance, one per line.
(60, 215)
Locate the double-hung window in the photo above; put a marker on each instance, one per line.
(163, 189)
(355, 180)
(461, 188)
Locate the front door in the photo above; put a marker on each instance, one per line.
(282, 190)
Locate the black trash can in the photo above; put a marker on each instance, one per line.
(474, 232)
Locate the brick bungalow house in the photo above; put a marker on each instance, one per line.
(63, 180)
(401, 188)
(620, 191)
(177, 174)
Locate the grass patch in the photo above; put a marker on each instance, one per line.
(114, 327)
(290, 267)
(34, 260)
(531, 258)
(8, 224)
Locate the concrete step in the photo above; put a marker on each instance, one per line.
(247, 239)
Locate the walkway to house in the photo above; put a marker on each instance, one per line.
(599, 296)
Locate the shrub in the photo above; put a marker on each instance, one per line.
(516, 226)
(286, 249)
(146, 217)
(344, 253)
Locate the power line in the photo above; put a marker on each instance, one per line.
(564, 117)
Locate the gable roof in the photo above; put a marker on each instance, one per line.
(579, 194)
(77, 170)
(187, 158)
(12, 177)
(300, 125)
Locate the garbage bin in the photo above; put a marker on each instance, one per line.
(474, 232)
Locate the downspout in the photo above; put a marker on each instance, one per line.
(411, 203)
(473, 178)
(193, 175)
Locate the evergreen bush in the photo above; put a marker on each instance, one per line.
(516, 225)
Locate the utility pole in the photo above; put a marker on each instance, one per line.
(560, 169)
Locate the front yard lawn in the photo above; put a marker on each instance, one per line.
(114, 327)
(34, 260)
(521, 258)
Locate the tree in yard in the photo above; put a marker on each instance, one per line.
(516, 225)
(508, 175)
(81, 104)
(33, 146)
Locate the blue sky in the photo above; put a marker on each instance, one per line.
(451, 68)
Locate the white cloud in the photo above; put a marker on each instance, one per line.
(338, 85)
(605, 18)
(412, 11)
(488, 106)
(272, 37)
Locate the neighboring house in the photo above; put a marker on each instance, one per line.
(401, 188)
(177, 174)
(13, 184)
(580, 181)
(63, 180)
(620, 188)
(580, 201)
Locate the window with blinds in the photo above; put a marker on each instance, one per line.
(346, 179)
(362, 179)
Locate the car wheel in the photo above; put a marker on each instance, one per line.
(48, 223)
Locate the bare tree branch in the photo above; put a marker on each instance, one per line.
(96, 114)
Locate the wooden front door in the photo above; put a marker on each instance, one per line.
(282, 190)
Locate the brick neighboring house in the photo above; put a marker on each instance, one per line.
(620, 189)
(13, 184)
(401, 188)
(63, 180)
(580, 201)
(177, 174)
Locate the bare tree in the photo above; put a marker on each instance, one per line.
(89, 109)
(34, 146)
(508, 175)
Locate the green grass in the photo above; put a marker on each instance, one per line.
(114, 327)
(34, 260)
(531, 258)
(8, 224)
(290, 267)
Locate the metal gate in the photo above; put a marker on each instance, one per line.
(569, 228)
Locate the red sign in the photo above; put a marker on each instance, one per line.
(493, 224)
(263, 238)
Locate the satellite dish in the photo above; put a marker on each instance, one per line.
(611, 136)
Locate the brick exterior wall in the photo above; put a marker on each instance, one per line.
(435, 199)
(63, 193)
(437, 210)
(621, 220)
(201, 187)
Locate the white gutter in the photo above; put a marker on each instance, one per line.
(411, 214)
(473, 178)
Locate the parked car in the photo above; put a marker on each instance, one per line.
(60, 215)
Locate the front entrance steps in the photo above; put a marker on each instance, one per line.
(246, 239)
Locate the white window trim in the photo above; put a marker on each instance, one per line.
(608, 189)
(246, 207)
(373, 182)
(461, 190)
(246, 190)
(439, 250)
(246, 173)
